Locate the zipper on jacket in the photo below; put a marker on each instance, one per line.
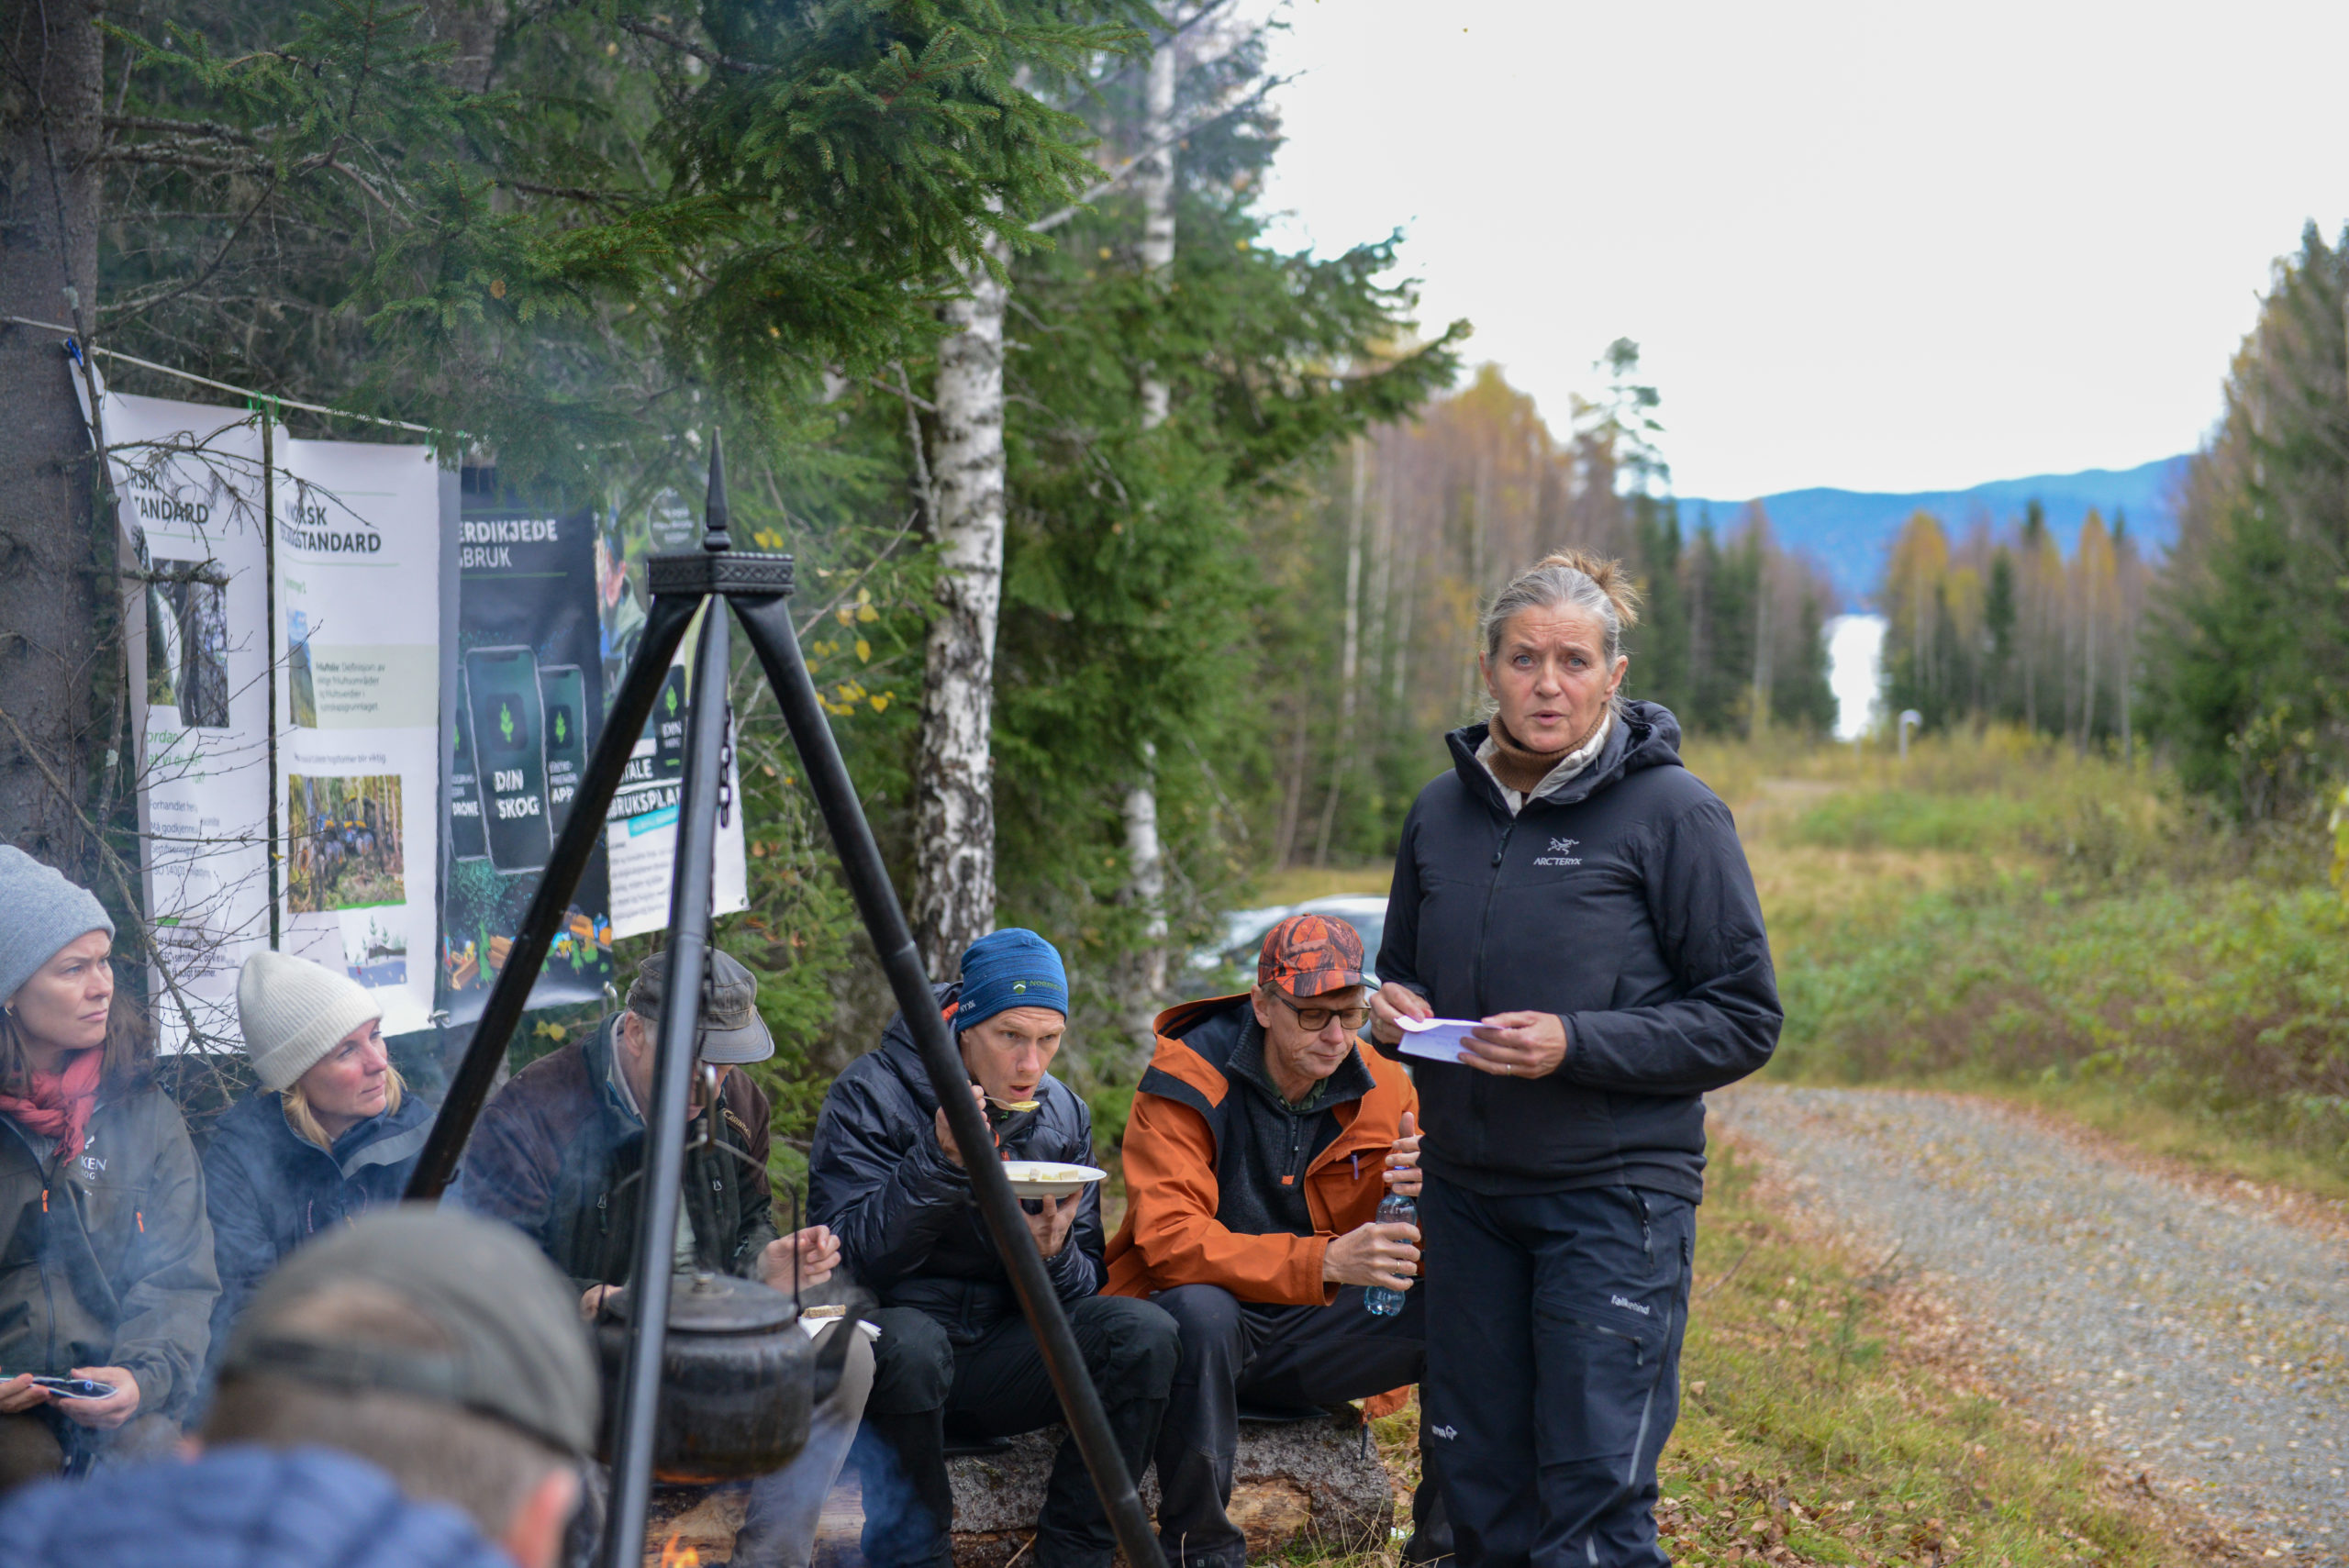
(1485, 920)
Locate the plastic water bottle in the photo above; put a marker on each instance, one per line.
(1394, 1209)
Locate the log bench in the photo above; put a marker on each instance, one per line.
(1316, 1481)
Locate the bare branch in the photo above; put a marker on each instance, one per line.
(1117, 175)
(683, 46)
(203, 130)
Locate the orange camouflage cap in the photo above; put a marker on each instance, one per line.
(1311, 955)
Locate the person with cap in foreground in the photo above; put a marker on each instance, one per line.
(1262, 1141)
(558, 1152)
(331, 1131)
(886, 1173)
(105, 1255)
(414, 1391)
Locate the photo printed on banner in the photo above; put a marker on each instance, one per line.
(358, 576)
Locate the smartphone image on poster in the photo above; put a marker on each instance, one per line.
(509, 755)
(669, 728)
(467, 837)
(563, 693)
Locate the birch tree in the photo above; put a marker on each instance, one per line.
(1154, 184)
(954, 779)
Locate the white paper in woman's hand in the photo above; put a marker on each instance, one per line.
(1438, 1039)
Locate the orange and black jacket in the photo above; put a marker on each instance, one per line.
(1177, 1153)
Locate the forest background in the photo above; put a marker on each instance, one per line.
(1140, 560)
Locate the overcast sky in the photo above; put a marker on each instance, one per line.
(1881, 247)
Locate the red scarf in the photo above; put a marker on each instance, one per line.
(60, 1103)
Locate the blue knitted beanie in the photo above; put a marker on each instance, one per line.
(1006, 969)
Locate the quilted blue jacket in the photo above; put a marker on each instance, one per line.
(240, 1506)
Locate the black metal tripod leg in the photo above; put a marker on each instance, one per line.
(664, 1118)
(582, 832)
(768, 624)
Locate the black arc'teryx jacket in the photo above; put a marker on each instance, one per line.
(1622, 903)
(909, 1227)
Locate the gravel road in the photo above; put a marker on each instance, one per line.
(2190, 1334)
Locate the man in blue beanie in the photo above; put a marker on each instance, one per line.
(954, 1353)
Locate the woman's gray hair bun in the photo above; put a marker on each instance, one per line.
(1570, 577)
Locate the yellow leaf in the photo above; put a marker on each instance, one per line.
(864, 649)
(867, 614)
(847, 614)
(880, 702)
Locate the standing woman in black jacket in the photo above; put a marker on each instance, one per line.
(1573, 887)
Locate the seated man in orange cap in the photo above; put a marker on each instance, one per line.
(1262, 1141)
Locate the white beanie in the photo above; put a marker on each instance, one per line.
(293, 1012)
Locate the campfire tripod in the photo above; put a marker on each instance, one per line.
(758, 589)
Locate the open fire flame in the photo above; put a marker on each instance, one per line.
(672, 1558)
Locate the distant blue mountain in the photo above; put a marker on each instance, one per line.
(1849, 532)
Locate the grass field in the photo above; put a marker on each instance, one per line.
(2003, 915)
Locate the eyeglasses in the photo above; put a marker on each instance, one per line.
(1313, 1021)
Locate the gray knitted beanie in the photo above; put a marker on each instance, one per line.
(39, 912)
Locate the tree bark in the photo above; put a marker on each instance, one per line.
(470, 28)
(1154, 182)
(1758, 719)
(1348, 655)
(56, 564)
(954, 886)
(1145, 854)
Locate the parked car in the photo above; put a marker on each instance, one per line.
(1230, 965)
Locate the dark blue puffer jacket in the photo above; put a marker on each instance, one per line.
(269, 1190)
(1622, 903)
(239, 1507)
(908, 1226)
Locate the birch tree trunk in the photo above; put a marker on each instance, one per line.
(1758, 719)
(57, 562)
(1145, 855)
(954, 778)
(1348, 657)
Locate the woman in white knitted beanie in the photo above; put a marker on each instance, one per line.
(331, 1131)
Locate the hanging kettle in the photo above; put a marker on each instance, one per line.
(740, 1377)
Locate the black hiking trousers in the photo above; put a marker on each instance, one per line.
(1268, 1359)
(1553, 1368)
(997, 1386)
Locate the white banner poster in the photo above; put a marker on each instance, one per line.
(358, 602)
(641, 840)
(190, 479)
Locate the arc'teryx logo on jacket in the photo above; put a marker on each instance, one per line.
(1561, 853)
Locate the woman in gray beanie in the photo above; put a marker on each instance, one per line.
(105, 1255)
(331, 1131)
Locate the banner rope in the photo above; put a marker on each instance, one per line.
(244, 392)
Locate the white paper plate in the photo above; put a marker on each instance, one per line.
(1046, 1178)
(816, 1319)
